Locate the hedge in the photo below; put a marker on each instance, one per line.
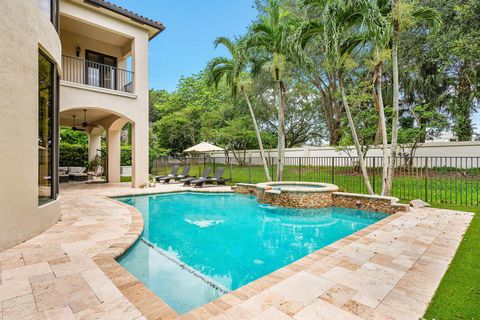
(76, 155)
(73, 155)
(126, 155)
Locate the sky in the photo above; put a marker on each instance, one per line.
(186, 45)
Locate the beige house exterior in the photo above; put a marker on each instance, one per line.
(95, 56)
(112, 96)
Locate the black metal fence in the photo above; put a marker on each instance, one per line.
(437, 180)
(96, 74)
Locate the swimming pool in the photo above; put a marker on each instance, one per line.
(197, 247)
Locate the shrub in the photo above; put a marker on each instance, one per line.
(73, 155)
(126, 155)
(76, 155)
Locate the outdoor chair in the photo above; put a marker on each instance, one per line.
(77, 174)
(172, 174)
(63, 174)
(183, 175)
(205, 174)
(216, 178)
(97, 173)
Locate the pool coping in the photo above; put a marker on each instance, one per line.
(147, 302)
(322, 187)
(153, 307)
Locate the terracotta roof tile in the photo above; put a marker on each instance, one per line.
(135, 16)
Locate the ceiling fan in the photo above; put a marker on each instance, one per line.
(74, 128)
(84, 123)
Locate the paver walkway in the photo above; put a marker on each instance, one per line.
(387, 271)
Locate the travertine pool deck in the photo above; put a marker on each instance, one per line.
(389, 270)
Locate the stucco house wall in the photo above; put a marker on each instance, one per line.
(24, 29)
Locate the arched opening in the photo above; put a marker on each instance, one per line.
(102, 143)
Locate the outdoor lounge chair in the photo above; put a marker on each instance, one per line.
(172, 174)
(77, 174)
(63, 176)
(216, 178)
(205, 174)
(183, 175)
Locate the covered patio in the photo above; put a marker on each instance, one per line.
(96, 122)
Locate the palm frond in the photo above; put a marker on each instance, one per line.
(227, 43)
(426, 16)
(310, 30)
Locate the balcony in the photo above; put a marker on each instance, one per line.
(96, 74)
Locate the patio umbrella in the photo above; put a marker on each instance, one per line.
(203, 147)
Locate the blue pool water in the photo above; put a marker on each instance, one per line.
(196, 247)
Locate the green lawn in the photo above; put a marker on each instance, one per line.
(458, 296)
(125, 179)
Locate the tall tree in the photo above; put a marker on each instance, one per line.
(304, 119)
(454, 50)
(403, 17)
(395, 90)
(338, 27)
(378, 36)
(272, 36)
(232, 71)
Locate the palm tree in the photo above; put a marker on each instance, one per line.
(378, 34)
(232, 71)
(395, 91)
(415, 16)
(272, 35)
(339, 28)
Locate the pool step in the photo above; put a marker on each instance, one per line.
(217, 286)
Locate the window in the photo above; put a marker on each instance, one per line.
(50, 9)
(47, 130)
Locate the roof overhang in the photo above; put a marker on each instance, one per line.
(156, 25)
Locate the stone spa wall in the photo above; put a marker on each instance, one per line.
(367, 202)
(387, 205)
(295, 199)
(246, 188)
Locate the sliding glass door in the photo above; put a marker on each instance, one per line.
(47, 130)
(101, 70)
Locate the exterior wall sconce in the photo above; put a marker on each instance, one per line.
(78, 51)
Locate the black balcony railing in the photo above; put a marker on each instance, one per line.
(96, 74)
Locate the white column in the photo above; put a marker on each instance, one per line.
(139, 154)
(94, 145)
(140, 159)
(113, 153)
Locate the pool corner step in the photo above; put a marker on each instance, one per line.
(215, 285)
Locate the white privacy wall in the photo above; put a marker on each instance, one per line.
(448, 150)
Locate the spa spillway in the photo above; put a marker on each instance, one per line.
(294, 194)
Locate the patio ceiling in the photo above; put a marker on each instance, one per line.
(93, 32)
(93, 117)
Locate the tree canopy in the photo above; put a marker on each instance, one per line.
(297, 43)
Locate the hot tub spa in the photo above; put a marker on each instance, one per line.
(296, 194)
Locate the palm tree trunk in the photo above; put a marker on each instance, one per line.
(383, 125)
(361, 161)
(393, 147)
(281, 130)
(259, 138)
